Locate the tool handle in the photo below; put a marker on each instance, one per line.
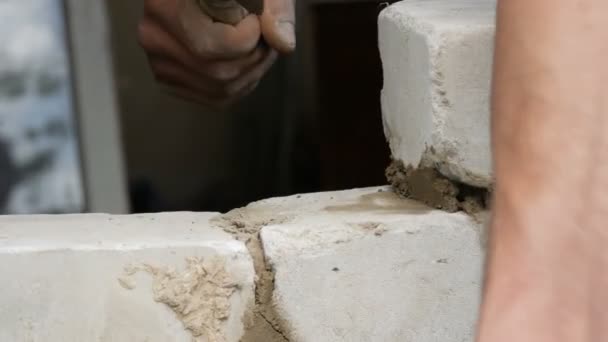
(224, 11)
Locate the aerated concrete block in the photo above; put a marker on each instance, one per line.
(169, 277)
(437, 60)
(365, 265)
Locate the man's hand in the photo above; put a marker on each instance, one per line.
(210, 62)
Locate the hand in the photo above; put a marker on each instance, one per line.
(210, 62)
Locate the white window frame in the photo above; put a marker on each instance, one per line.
(96, 108)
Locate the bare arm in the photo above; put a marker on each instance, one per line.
(547, 275)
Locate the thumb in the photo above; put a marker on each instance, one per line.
(278, 24)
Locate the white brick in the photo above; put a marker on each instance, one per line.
(68, 278)
(364, 265)
(437, 57)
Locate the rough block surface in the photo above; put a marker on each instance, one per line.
(365, 265)
(131, 278)
(437, 58)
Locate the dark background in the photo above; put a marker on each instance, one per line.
(293, 135)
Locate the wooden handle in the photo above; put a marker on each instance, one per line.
(224, 11)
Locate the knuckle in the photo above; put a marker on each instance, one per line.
(203, 47)
(208, 46)
(224, 74)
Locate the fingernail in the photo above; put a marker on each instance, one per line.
(287, 32)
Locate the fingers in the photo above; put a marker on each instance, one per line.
(253, 77)
(203, 36)
(171, 73)
(193, 87)
(191, 96)
(201, 59)
(160, 44)
(278, 24)
(226, 71)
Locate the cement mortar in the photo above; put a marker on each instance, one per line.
(245, 225)
(427, 185)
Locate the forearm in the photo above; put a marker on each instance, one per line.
(550, 130)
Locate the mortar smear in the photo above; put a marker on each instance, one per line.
(199, 295)
(427, 185)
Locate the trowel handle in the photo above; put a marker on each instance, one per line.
(224, 11)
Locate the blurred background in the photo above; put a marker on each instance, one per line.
(314, 123)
